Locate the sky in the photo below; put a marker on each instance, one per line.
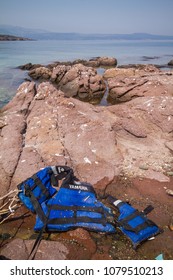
(90, 16)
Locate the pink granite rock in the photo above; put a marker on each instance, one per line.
(42, 127)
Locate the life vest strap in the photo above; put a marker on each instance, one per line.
(76, 208)
(36, 204)
(77, 219)
(38, 182)
(148, 209)
(146, 222)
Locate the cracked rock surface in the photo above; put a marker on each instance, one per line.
(124, 149)
(127, 84)
(76, 80)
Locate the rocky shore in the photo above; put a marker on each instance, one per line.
(124, 149)
(13, 38)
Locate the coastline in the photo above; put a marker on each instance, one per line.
(132, 160)
(15, 53)
(13, 38)
(12, 77)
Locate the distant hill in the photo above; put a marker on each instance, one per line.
(37, 34)
(78, 36)
(19, 31)
(12, 38)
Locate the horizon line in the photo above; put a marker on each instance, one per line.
(83, 33)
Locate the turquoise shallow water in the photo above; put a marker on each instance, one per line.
(13, 54)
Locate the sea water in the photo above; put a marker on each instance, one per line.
(15, 53)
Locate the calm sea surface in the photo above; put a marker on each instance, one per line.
(13, 54)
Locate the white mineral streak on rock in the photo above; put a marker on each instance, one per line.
(81, 113)
(83, 126)
(87, 160)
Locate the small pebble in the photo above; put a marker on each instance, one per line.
(170, 192)
(143, 167)
(171, 227)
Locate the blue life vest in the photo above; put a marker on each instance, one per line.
(134, 224)
(75, 205)
(38, 188)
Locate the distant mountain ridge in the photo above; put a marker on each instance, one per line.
(18, 31)
(37, 34)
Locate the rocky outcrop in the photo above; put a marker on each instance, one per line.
(29, 66)
(114, 72)
(13, 38)
(170, 63)
(100, 143)
(93, 62)
(12, 131)
(105, 61)
(42, 73)
(78, 80)
(124, 149)
(126, 84)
